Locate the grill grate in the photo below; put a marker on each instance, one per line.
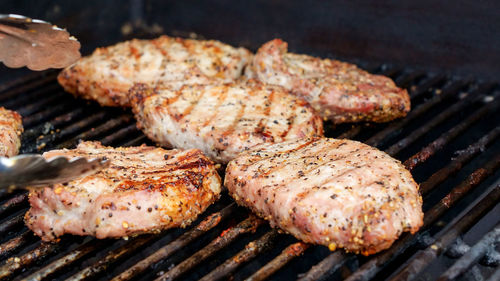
(448, 141)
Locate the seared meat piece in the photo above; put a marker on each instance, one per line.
(145, 189)
(11, 128)
(107, 74)
(338, 193)
(223, 120)
(340, 91)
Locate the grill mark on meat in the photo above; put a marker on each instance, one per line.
(291, 120)
(260, 129)
(236, 121)
(220, 101)
(190, 108)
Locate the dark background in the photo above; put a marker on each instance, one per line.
(460, 37)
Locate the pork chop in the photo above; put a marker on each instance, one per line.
(144, 189)
(340, 91)
(107, 74)
(11, 128)
(223, 120)
(338, 193)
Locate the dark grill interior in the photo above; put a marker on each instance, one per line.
(449, 141)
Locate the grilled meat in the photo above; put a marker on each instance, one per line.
(11, 128)
(338, 193)
(145, 189)
(223, 120)
(107, 74)
(340, 91)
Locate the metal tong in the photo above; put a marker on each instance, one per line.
(35, 43)
(33, 170)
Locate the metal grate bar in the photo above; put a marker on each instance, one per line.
(15, 243)
(11, 223)
(25, 85)
(356, 129)
(112, 257)
(289, 253)
(248, 225)
(328, 265)
(393, 129)
(444, 239)
(41, 103)
(51, 112)
(38, 95)
(164, 252)
(251, 250)
(66, 260)
(444, 139)
(66, 132)
(472, 256)
(13, 203)
(443, 116)
(372, 267)
(120, 134)
(464, 156)
(99, 130)
(15, 264)
(58, 121)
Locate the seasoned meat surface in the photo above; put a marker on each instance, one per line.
(223, 120)
(11, 128)
(144, 189)
(107, 74)
(340, 91)
(338, 193)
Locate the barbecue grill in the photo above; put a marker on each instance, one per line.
(449, 141)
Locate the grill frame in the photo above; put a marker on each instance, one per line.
(248, 248)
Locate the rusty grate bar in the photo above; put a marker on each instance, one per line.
(11, 223)
(472, 256)
(373, 266)
(251, 250)
(444, 139)
(13, 203)
(464, 156)
(112, 257)
(15, 243)
(328, 265)
(67, 260)
(289, 253)
(164, 252)
(15, 264)
(440, 118)
(226, 237)
(393, 129)
(443, 240)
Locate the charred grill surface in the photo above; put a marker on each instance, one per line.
(449, 141)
